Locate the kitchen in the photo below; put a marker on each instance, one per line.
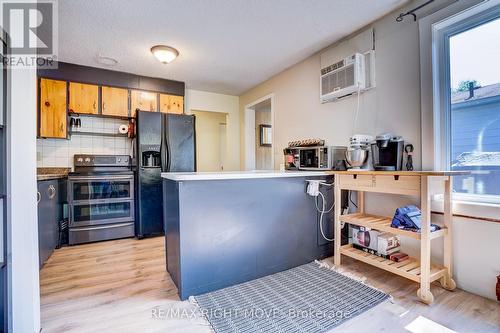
(131, 220)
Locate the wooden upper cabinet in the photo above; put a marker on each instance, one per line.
(53, 116)
(143, 100)
(83, 98)
(114, 102)
(171, 104)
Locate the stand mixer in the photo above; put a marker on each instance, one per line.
(358, 154)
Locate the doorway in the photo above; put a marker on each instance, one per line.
(211, 140)
(259, 134)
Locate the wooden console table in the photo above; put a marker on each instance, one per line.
(412, 183)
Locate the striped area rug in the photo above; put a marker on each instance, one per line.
(308, 298)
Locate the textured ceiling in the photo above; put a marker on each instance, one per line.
(226, 46)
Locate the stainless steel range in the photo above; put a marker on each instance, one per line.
(101, 198)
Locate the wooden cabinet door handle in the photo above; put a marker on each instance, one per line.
(94, 105)
(62, 127)
(47, 103)
(103, 106)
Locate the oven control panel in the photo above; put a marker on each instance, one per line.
(102, 160)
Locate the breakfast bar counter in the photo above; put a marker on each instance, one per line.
(225, 228)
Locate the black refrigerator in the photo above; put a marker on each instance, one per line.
(164, 143)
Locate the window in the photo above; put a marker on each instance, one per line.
(474, 100)
(465, 92)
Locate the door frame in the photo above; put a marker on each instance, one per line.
(250, 131)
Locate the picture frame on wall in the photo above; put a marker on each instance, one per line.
(266, 135)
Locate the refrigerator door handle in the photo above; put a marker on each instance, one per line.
(163, 145)
(168, 152)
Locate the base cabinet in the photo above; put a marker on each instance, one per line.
(50, 195)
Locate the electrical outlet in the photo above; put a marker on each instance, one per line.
(313, 188)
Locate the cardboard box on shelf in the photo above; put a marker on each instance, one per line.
(365, 238)
(388, 243)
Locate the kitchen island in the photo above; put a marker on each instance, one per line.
(225, 228)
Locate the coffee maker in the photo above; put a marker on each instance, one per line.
(387, 152)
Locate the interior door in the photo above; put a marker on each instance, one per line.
(114, 102)
(83, 98)
(53, 117)
(181, 143)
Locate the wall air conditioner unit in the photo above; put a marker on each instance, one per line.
(343, 78)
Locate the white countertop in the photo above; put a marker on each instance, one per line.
(257, 174)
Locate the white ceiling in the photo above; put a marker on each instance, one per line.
(226, 46)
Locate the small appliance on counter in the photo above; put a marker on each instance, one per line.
(387, 152)
(358, 154)
(322, 158)
(313, 155)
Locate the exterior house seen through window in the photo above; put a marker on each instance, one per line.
(475, 110)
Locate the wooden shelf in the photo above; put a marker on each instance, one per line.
(421, 184)
(409, 268)
(382, 223)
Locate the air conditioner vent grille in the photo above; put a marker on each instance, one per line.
(337, 80)
(333, 67)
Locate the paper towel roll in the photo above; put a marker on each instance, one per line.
(123, 129)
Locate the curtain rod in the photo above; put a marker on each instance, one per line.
(412, 12)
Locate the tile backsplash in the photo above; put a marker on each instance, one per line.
(59, 153)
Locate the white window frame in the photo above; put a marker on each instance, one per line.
(441, 34)
(435, 31)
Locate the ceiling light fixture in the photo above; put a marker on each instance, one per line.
(106, 61)
(165, 54)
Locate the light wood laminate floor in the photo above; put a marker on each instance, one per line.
(115, 286)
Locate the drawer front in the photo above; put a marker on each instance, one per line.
(356, 181)
(409, 185)
(95, 213)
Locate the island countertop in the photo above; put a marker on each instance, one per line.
(259, 174)
(180, 176)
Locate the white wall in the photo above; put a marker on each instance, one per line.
(393, 106)
(23, 257)
(206, 101)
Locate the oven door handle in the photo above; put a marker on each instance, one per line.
(102, 227)
(73, 178)
(129, 199)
